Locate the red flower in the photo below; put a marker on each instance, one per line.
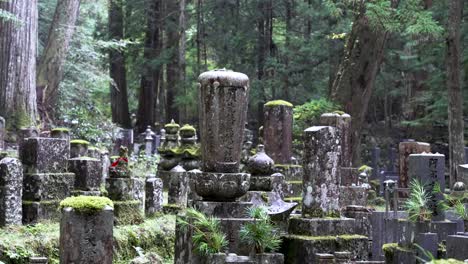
(118, 161)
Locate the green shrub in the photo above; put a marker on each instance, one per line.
(261, 233)
(308, 115)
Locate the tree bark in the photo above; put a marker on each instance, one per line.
(455, 95)
(172, 70)
(356, 74)
(50, 67)
(117, 71)
(181, 55)
(18, 42)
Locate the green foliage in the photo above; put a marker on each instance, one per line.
(278, 102)
(308, 114)
(417, 204)
(86, 204)
(144, 165)
(460, 210)
(260, 234)
(365, 168)
(207, 236)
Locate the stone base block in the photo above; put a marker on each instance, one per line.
(223, 209)
(353, 195)
(47, 186)
(443, 229)
(321, 226)
(457, 247)
(128, 212)
(303, 249)
(153, 196)
(123, 189)
(44, 155)
(88, 173)
(34, 212)
(85, 193)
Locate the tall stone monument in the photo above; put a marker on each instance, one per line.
(277, 130)
(407, 148)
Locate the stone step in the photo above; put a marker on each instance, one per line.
(322, 226)
(303, 249)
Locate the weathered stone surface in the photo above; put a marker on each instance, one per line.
(429, 242)
(463, 170)
(178, 187)
(443, 229)
(85, 193)
(221, 186)
(383, 231)
(223, 109)
(343, 123)
(361, 215)
(44, 155)
(269, 258)
(290, 171)
(11, 189)
(320, 192)
(87, 173)
(34, 212)
(183, 243)
(457, 247)
(38, 260)
(60, 133)
(125, 139)
(153, 196)
(405, 149)
(223, 209)
(407, 231)
(86, 238)
(47, 186)
(429, 169)
(122, 189)
(353, 195)
(277, 131)
(321, 226)
(78, 148)
(128, 212)
(2, 133)
(349, 176)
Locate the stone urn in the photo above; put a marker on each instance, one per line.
(223, 110)
(261, 167)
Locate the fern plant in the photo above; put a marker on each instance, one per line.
(417, 204)
(261, 233)
(461, 211)
(207, 236)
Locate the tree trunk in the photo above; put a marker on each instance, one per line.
(181, 55)
(150, 79)
(50, 67)
(455, 96)
(172, 70)
(355, 78)
(118, 87)
(18, 63)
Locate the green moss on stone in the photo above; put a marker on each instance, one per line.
(339, 112)
(278, 102)
(187, 127)
(79, 141)
(190, 150)
(294, 182)
(171, 125)
(60, 129)
(86, 204)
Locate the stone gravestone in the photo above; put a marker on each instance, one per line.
(429, 169)
(463, 171)
(407, 148)
(88, 178)
(46, 180)
(277, 131)
(86, 236)
(320, 192)
(466, 155)
(2, 133)
(11, 189)
(153, 196)
(343, 123)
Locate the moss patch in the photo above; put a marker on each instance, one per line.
(79, 142)
(86, 204)
(60, 129)
(128, 212)
(278, 102)
(172, 125)
(188, 128)
(187, 150)
(446, 261)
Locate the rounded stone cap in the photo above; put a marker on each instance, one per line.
(260, 163)
(459, 186)
(224, 78)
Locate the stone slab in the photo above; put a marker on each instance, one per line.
(223, 209)
(87, 173)
(44, 155)
(444, 229)
(34, 212)
(11, 189)
(321, 226)
(47, 186)
(457, 247)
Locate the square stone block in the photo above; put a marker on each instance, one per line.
(47, 186)
(45, 155)
(353, 195)
(457, 247)
(321, 226)
(444, 229)
(34, 212)
(122, 189)
(128, 212)
(223, 209)
(88, 173)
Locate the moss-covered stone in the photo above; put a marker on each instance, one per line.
(278, 103)
(187, 127)
(79, 142)
(187, 150)
(339, 112)
(86, 204)
(128, 212)
(60, 129)
(172, 209)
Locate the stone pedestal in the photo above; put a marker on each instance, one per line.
(405, 149)
(87, 173)
(320, 191)
(11, 190)
(221, 186)
(463, 171)
(86, 237)
(457, 247)
(127, 195)
(78, 148)
(342, 122)
(44, 155)
(178, 187)
(277, 131)
(153, 196)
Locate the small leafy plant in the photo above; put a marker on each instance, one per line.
(261, 233)
(417, 203)
(461, 211)
(207, 236)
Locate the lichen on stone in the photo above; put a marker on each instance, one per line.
(86, 204)
(278, 102)
(79, 142)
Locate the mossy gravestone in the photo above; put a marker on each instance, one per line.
(11, 189)
(277, 130)
(86, 230)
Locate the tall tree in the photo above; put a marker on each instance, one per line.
(172, 68)
(118, 87)
(50, 67)
(152, 68)
(18, 40)
(181, 55)
(455, 96)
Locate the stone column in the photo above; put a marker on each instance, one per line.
(11, 190)
(320, 187)
(86, 237)
(153, 196)
(277, 130)
(463, 169)
(342, 122)
(407, 148)
(429, 169)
